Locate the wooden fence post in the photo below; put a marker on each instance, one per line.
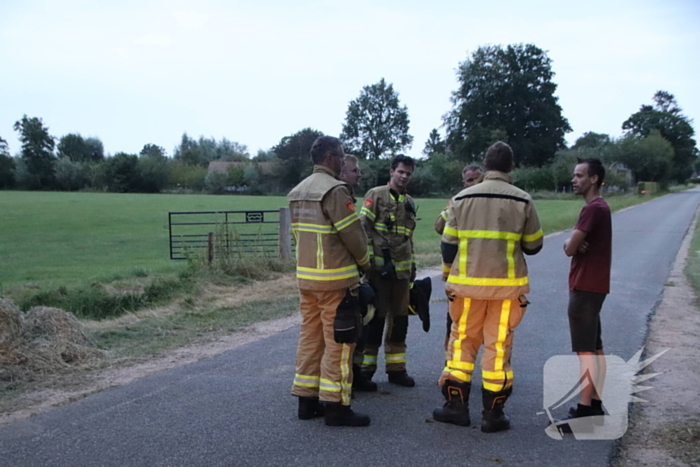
(285, 234)
(210, 248)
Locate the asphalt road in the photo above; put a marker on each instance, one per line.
(236, 410)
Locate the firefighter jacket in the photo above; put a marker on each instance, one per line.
(441, 220)
(389, 219)
(330, 240)
(489, 228)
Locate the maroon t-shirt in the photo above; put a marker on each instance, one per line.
(590, 271)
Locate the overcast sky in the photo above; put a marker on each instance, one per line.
(147, 71)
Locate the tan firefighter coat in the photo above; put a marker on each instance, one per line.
(489, 228)
(330, 240)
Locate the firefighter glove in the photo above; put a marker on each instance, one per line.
(347, 318)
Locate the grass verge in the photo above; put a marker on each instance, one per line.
(692, 264)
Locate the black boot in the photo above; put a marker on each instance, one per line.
(362, 381)
(401, 378)
(342, 415)
(492, 417)
(583, 412)
(310, 407)
(456, 409)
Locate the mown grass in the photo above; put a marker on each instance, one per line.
(50, 240)
(152, 336)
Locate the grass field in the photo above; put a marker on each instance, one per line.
(53, 239)
(105, 258)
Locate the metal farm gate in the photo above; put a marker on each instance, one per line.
(247, 233)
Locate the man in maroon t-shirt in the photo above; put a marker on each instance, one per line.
(590, 246)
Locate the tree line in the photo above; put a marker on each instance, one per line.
(503, 94)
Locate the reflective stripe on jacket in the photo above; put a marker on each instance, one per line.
(441, 220)
(388, 222)
(330, 240)
(489, 228)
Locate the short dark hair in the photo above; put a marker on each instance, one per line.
(472, 168)
(401, 159)
(323, 146)
(595, 167)
(499, 157)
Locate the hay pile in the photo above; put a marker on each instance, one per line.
(43, 340)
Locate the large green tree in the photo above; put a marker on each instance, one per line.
(73, 146)
(4, 147)
(7, 166)
(376, 124)
(95, 148)
(591, 139)
(435, 144)
(202, 151)
(650, 157)
(37, 149)
(293, 158)
(506, 93)
(665, 117)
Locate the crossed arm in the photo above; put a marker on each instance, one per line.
(576, 244)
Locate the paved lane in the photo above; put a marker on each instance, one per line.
(235, 409)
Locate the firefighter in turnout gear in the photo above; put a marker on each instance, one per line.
(330, 246)
(471, 175)
(389, 217)
(490, 226)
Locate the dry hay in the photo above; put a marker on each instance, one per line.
(44, 340)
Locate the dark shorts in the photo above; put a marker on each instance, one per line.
(584, 320)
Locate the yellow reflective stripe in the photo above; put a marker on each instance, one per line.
(326, 274)
(451, 231)
(493, 387)
(364, 260)
(307, 381)
(395, 358)
(493, 234)
(346, 222)
(315, 228)
(319, 252)
(533, 237)
(366, 212)
(463, 253)
(345, 385)
(330, 386)
(446, 268)
(511, 259)
(402, 198)
(502, 334)
(458, 374)
(398, 229)
(370, 360)
(399, 265)
(486, 281)
(461, 331)
(443, 214)
(467, 366)
(497, 375)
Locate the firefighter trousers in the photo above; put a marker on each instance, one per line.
(482, 322)
(392, 311)
(323, 367)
